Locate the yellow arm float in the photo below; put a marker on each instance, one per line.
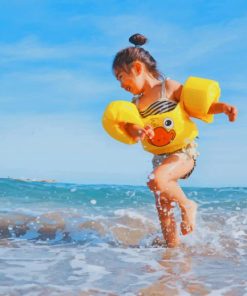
(198, 95)
(118, 112)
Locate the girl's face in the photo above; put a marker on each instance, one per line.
(132, 81)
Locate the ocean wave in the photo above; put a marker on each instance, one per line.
(98, 240)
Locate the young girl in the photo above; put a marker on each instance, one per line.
(137, 73)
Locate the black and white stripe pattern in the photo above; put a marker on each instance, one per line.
(161, 106)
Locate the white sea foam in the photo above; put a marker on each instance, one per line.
(132, 214)
(72, 246)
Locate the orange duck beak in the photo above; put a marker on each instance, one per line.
(162, 137)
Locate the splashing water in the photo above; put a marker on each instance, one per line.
(68, 239)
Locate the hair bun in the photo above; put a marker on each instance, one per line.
(138, 39)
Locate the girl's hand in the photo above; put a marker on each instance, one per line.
(221, 107)
(230, 111)
(138, 133)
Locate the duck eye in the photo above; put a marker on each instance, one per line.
(168, 123)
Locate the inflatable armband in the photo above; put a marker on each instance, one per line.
(198, 95)
(174, 129)
(118, 112)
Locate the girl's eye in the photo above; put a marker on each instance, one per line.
(168, 123)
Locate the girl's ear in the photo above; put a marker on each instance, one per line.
(137, 67)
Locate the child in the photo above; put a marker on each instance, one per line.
(137, 73)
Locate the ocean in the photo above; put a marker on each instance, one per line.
(71, 239)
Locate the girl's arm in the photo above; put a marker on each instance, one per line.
(229, 110)
(137, 132)
(174, 90)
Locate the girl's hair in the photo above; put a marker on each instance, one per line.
(125, 57)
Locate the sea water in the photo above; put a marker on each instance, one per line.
(70, 239)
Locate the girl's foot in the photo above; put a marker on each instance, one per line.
(188, 215)
(158, 242)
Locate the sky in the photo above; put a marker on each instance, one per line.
(56, 80)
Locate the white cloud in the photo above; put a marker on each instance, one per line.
(68, 147)
(32, 49)
(179, 45)
(50, 89)
(75, 148)
(182, 45)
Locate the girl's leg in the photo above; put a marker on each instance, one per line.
(164, 181)
(167, 222)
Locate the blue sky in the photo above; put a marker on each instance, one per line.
(56, 80)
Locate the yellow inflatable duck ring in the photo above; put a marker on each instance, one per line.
(173, 130)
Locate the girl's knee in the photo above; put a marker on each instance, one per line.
(158, 181)
(165, 203)
(151, 184)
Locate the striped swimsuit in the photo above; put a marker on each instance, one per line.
(163, 105)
